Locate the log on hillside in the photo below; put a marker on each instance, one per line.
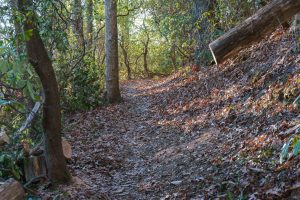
(11, 190)
(254, 28)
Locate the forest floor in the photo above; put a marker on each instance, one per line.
(212, 134)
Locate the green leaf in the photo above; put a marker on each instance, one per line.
(4, 66)
(2, 158)
(30, 89)
(4, 102)
(28, 34)
(296, 148)
(284, 151)
(297, 101)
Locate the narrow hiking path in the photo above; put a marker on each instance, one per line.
(212, 134)
(132, 150)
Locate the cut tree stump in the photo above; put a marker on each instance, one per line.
(11, 190)
(35, 167)
(253, 29)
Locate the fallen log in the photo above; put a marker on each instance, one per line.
(11, 190)
(253, 29)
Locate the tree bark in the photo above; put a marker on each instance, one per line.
(111, 48)
(254, 28)
(38, 57)
(77, 22)
(199, 7)
(126, 59)
(173, 56)
(145, 55)
(125, 40)
(145, 52)
(89, 23)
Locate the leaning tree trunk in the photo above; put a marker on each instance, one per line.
(38, 57)
(126, 59)
(111, 48)
(254, 28)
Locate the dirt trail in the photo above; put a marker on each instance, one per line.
(134, 154)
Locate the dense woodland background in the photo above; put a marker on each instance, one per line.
(160, 47)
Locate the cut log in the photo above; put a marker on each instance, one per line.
(253, 29)
(35, 167)
(11, 190)
(67, 149)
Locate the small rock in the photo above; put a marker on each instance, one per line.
(176, 183)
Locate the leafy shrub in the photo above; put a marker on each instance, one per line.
(9, 166)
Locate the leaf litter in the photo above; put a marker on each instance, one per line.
(212, 134)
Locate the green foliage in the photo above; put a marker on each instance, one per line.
(84, 89)
(9, 166)
(294, 144)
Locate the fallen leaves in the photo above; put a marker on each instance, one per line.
(211, 134)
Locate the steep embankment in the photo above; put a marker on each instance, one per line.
(211, 134)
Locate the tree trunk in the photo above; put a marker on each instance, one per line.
(125, 40)
(126, 59)
(199, 7)
(145, 54)
(77, 22)
(111, 48)
(173, 56)
(38, 57)
(254, 28)
(89, 23)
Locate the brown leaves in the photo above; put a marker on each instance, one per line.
(217, 124)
